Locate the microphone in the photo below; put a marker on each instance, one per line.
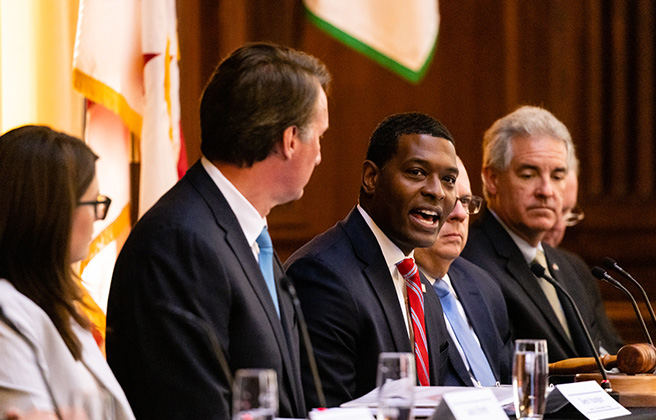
(599, 273)
(291, 290)
(8, 322)
(540, 272)
(610, 264)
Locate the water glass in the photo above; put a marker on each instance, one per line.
(530, 371)
(255, 395)
(395, 382)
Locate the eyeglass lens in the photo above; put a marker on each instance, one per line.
(574, 216)
(471, 203)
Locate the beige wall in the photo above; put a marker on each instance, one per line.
(36, 52)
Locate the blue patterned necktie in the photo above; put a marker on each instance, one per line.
(266, 265)
(473, 352)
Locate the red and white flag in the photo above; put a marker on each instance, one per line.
(126, 64)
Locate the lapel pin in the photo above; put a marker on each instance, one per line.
(555, 266)
(423, 288)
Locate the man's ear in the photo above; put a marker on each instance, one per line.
(370, 172)
(289, 141)
(490, 179)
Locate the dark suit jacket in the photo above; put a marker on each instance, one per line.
(187, 287)
(353, 311)
(485, 307)
(531, 316)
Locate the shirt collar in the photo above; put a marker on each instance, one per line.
(250, 220)
(391, 252)
(528, 251)
(445, 279)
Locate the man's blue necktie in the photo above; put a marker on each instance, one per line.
(475, 356)
(266, 265)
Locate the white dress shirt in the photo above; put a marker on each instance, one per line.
(250, 220)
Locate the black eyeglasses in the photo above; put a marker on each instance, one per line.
(574, 216)
(100, 206)
(471, 203)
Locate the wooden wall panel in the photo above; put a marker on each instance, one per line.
(591, 123)
(646, 97)
(590, 62)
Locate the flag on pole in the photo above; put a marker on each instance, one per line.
(160, 144)
(109, 138)
(126, 62)
(400, 35)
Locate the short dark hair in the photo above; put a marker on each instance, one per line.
(253, 96)
(44, 173)
(385, 139)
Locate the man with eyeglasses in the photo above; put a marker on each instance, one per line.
(480, 342)
(572, 214)
(526, 158)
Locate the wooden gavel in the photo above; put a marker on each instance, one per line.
(630, 359)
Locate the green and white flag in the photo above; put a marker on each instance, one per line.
(399, 34)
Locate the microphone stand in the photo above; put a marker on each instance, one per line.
(610, 264)
(289, 287)
(540, 272)
(599, 273)
(210, 335)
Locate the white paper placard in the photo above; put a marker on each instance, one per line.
(591, 400)
(478, 404)
(358, 413)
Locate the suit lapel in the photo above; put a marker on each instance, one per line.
(436, 331)
(521, 272)
(478, 316)
(577, 332)
(376, 271)
(234, 237)
(455, 358)
(287, 317)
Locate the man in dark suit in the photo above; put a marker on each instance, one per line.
(481, 318)
(526, 157)
(356, 300)
(196, 291)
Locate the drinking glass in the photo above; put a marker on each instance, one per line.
(530, 370)
(255, 395)
(395, 382)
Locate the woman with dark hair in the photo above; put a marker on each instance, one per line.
(49, 201)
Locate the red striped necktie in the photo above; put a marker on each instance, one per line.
(409, 271)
